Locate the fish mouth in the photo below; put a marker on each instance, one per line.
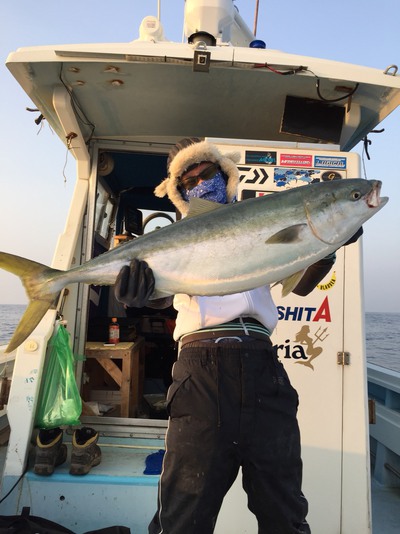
(373, 198)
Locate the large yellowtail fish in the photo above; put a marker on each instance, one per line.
(219, 249)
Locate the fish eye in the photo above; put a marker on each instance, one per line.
(356, 195)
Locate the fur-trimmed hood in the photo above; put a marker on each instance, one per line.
(192, 154)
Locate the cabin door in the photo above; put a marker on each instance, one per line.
(319, 339)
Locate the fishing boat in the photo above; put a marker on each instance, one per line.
(119, 108)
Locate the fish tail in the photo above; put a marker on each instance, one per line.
(35, 278)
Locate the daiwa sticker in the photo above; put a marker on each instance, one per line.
(330, 162)
(252, 175)
(296, 160)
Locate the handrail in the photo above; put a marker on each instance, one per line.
(384, 390)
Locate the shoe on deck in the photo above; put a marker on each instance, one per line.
(49, 452)
(85, 451)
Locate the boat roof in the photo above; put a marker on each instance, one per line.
(154, 90)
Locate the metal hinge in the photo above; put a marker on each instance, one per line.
(343, 358)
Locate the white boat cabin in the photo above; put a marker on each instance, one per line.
(119, 108)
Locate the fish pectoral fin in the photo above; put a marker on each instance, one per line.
(198, 206)
(29, 321)
(289, 283)
(291, 234)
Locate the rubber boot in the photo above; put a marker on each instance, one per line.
(85, 451)
(50, 451)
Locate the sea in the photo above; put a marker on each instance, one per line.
(382, 334)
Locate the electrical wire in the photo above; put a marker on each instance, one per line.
(297, 70)
(65, 166)
(363, 154)
(14, 486)
(366, 143)
(80, 114)
(345, 97)
(289, 72)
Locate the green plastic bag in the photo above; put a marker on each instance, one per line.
(59, 399)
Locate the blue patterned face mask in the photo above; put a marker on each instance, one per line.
(213, 190)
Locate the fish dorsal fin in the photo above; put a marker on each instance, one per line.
(291, 234)
(198, 206)
(289, 283)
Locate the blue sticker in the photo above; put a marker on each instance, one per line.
(330, 162)
(261, 156)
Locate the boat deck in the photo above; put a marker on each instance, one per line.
(385, 509)
(116, 492)
(127, 462)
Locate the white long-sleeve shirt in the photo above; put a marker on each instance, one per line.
(195, 313)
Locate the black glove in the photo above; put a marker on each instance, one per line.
(135, 284)
(316, 272)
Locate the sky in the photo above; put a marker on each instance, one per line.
(37, 175)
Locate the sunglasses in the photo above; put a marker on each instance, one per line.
(189, 182)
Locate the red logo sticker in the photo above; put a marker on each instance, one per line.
(296, 160)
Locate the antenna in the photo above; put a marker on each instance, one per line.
(256, 18)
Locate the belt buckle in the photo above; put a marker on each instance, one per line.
(228, 338)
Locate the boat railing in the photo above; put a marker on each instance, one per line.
(384, 395)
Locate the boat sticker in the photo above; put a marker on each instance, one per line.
(306, 313)
(252, 193)
(253, 175)
(328, 285)
(247, 193)
(296, 160)
(330, 162)
(328, 176)
(284, 177)
(261, 156)
(305, 347)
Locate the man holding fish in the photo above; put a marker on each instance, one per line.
(231, 403)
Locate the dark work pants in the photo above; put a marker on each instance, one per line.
(231, 404)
